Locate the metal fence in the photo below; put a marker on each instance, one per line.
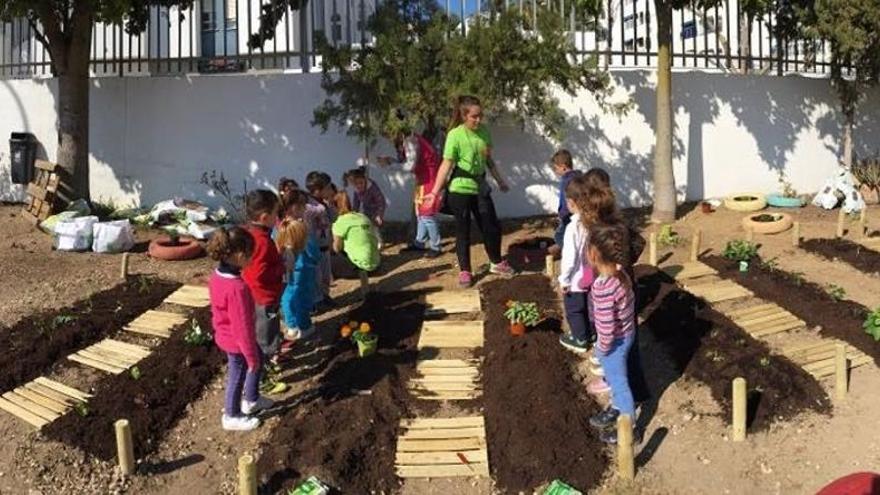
(212, 37)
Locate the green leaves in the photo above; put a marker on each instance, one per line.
(526, 313)
(872, 324)
(739, 250)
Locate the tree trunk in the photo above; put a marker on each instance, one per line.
(745, 44)
(73, 132)
(664, 179)
(849, 116)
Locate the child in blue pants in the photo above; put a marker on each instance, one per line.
(301, 255)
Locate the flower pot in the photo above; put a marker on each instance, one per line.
(780, 201)
(367, 345)
(706, 207)
(746, 202)
(517, 329)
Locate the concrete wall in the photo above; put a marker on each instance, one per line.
(152, 138)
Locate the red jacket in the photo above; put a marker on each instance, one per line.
(232, 317)
(264, 275)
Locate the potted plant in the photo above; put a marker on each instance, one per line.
(767, 223)
(867, 172)
(522, 315)
(361, 335)
(741, 252)
(788, 198)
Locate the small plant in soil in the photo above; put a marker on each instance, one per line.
(739, 250)
(785, 186)
(770, 265)
(799, 278)
(765, 218)
(218, 183)
(836, 292)
(81, 408)
(668, 237)
(62, 320)
(196, 335)
(135, 373)
(765, 361)
(361, 334)
(872, 324)
(144, 284)
(525, 313)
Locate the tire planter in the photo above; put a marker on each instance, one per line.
(746, 202)
(781, 201)
(187, 248)
(780, 223)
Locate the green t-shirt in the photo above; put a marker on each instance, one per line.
(359, 241)
(469, 151)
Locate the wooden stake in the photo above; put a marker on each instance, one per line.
(739, 409)
(652, 249)
(626, 467)
(550, 266)
(750, 234)
(123, 272)
(696, 240)
(247, 475)
(365, 283)
(124, 446)
(796, 234)
(840, 217)
(840, 371)
(863, 222)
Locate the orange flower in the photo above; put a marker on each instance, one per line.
(353, 324)
(345, 331)
(365, 327)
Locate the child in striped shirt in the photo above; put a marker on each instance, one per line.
(613, 310)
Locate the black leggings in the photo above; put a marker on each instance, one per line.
(483, 210)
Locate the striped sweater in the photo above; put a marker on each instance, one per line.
(613, 310)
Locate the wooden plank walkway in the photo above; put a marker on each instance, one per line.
(110, 355)
(194, 296)
(689, 270)
(446, 379)
(818, 358)
(452, 302)
(41, 401)
(451, 334)
(156, 323)
(442, 447)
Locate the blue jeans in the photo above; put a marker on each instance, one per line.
(577, 313)
(428, 233)
(239, 379)
(614, 365)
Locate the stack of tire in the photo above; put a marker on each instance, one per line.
(759, 223)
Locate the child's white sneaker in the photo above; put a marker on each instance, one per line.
(240, 423)
(296, 333)
(261, 404)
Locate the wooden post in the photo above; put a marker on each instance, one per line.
(796, 234)
(365, 283)
(863, 222)
(550, 266)
(696, 240)
(123, 271)
(124, 446)
(247, 475)
(750, 234)
(840, 217)
(739, 409)
(652, 249)
(840, 371)
(626, 467)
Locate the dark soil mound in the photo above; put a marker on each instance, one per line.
(536, 410)
(529, 254)
(808, 301)
(347, 432)
(175, 374)
(30, 347)
(860, 257)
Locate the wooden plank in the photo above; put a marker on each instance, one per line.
(95, 364)
(154, 326)
(153, 333)
(425, 395)
(52, 394)
(464, 386)
(37, 192)
(444, 445)
(64, 389)
(428, 423)
(422, 434)
(446, 363)
(162, 316)
(443, 470)
(31, 406)
(112, 356)
(689, 270)
(807, 347)
(104, 358)
(45, 165)
(429, 372)
(828, 349)
(30, 217)
(56, 407)
(443, 388)
(430, 379)
(782, 327)
(429, 458)
(776, 320)
(23, 414)
(751, 310)
(451, 302)
(134, 351)
(829, 370)
(769, 315)
(450, 340)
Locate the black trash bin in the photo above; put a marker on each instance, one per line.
(23, 153)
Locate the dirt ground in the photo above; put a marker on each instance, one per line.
(686, 447)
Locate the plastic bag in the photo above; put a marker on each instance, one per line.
(75, 234)
(200, 231)
(78, 208)
(112, 237)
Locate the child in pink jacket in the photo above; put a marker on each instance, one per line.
(232, 316)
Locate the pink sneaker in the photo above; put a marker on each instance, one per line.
(598, 387)
(502, 268)
(465, 279)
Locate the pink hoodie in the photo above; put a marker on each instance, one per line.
(232, 314)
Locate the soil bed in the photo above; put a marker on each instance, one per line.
(345, 431)
(31, 346)
(706, 346)
(536, 409)
(529, 254)
(174, 375)
(808, 301)
(858, 256)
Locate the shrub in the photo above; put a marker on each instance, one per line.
(740, 250)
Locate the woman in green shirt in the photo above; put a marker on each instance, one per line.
(467, 156)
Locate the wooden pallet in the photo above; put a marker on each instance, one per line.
(156, 323)
(765, 319)
(41, 193)
(451, 334)
(194, 296)
(717, 291)
(452, 302)
(689, 270)
(446, 379)
(442, 447)
(818, 358)
(41, 401)
(110, 355)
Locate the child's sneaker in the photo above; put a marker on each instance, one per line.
(605, 419)
(433, 253)
(502, 268)
(465, 279)
(610, 436)
(573, 344)
(261, 404)
(240, 423)
(598, 387)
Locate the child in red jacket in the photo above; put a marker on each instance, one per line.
(232, 316)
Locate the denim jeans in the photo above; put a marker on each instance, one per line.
(239, 379)
(428, 233)
(614, 364)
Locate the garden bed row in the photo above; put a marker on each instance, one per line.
(706, 346)
(29, 348)
(854, 254)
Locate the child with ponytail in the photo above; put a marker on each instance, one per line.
(232, 316)
(301, 254)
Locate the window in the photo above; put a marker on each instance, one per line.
(219, 28)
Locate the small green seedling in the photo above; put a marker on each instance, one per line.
(526, 313)
(739, 250)
(799, 278)
(62, 320)
(872, 324)
(81, 408)
(770, 265)
(668, 237)
(765, 361)
(836, 292)
(135, 372)
(196, 336)
(143, 284)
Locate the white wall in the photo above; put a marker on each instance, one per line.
(152, 138)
